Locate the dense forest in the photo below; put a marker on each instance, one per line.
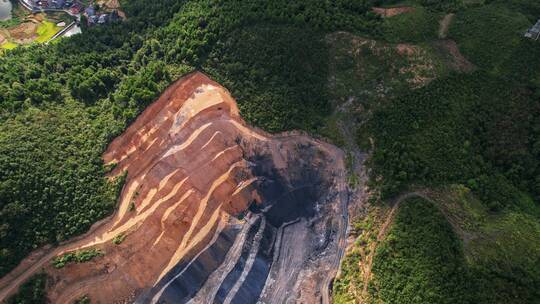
(483, 130)
(422, 260)
(479, 132)
(430, 258)
(61, 104)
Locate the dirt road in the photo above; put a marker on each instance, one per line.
(445, 25)
(341, 241)
(10, 283)
(356, 193)
(384, 231)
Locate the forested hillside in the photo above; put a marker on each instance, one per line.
(469, 142)
(61, 104)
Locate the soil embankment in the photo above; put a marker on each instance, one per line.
(212, 211)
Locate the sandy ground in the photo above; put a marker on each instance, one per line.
(187, 180)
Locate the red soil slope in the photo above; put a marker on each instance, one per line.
(188, 177)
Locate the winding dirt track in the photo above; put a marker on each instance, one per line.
(384, 231)
(445, 25)
(342, 243)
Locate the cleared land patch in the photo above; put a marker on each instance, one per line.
(45, 31)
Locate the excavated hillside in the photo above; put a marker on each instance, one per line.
(212, 211)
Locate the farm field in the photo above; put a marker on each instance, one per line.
(45, 31)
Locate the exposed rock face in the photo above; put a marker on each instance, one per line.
(213, 211)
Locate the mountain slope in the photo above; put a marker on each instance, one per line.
(211, 210)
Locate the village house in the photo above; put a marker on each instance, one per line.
(100, 18)
(534, 32)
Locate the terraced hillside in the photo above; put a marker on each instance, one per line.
(211, 211)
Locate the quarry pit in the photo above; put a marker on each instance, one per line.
(212, 211)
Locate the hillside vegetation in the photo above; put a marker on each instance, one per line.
(421, 260)
(426, 126)
(475, 133)
(61, 104)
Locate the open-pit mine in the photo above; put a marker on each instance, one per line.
(212, 211)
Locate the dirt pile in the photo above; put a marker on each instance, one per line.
(211, 211)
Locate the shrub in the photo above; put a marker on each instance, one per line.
(77, 257)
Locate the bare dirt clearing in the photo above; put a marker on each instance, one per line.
(392, 11)
(450, 53)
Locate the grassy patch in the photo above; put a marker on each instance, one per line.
(352, 178)
(501, 249)
(332, 131)
(9, 45)
(348, 286)
(10, 23)
(117, 240)
(76, 257)
(505, 259)
(365, 73)
(46, 30)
